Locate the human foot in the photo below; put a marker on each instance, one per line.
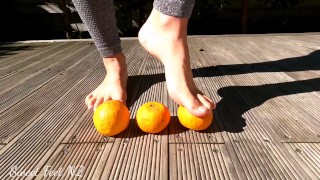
(114, 84)
(165, 37)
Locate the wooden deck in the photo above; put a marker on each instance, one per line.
(266, 125)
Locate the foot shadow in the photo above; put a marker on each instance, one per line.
(236, 100)
(301, 63)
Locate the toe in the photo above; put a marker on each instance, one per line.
(206, 101)
(88, 98)
(199, 111)
(197, 108)
(91, 102)
(200, 105)
(106, 98)
(98, 102)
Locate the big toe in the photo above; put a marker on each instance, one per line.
(200, 105)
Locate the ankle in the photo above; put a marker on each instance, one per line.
(116, 66)
(115, 59)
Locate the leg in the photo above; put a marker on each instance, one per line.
(99, 18)
(164, 35)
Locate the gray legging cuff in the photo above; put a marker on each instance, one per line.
(176, 8)
(107, 51)
(99, 17)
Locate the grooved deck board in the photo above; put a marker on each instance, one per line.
(303, 127)
(82, 166)
(32, 83)
(14, 53)
(302, 41)
(266, 124)
(304, 121)
(51, 63)
(37, 62)
(200, 161)
(26, 111)
(48, 131)
(307, 154)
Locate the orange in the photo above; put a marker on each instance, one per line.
(193, 122)
(111, 118)
(153, 117)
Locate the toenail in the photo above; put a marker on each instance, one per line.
(202, 109)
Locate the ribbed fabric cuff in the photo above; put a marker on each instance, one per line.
(176, 8)
(110, 51)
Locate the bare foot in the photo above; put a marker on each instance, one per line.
(114, 84)
(165, 37)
